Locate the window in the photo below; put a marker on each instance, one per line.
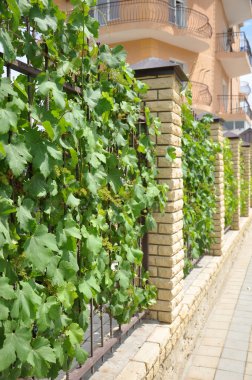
(106, 11)
(177, 13)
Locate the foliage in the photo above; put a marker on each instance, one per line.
(77, 187)
(199, 153)
(230, 184)
(244, 187)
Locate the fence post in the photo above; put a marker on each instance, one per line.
(235, 148)
(166, 255)
(219, 216)
(250, 175)
(245, 151)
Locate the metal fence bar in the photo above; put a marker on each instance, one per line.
(77, 373)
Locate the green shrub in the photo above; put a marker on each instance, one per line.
(230, 184)
(199, 153)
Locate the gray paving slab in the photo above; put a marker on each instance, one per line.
(228, 331)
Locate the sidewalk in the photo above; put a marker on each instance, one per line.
(224, 348)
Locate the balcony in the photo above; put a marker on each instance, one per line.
(245, 88)
(237, 11)
(201, 95)
(129, 20)
(234, 108)
(234, 52)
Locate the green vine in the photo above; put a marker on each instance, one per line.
(199, 153)
(230, 184)
(77, 187)
(244, 187)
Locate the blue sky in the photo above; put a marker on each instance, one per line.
(247, 28)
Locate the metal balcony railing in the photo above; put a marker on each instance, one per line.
(156, 11)
(233, 42)
(245, 88)
(234, 104)
(201, 94)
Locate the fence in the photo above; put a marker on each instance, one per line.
(103, 332)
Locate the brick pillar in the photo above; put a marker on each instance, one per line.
(250, 175)
(166, 255)
(219, 216)
(245, 151)
(235, 147)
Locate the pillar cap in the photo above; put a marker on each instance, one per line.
(245, 145)
(231, 135)
(162, 70)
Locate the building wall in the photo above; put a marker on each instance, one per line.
(201, 67)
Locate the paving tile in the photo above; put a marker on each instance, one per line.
(249, 357)
(205, 361)
(238, 335)
(216, 342)
(215, 333)
(209, 351)
(219, 325)
(236, 344)
(201, 373)
(239, 327)
(232, 365)
(230, 353)
(247, 377)
(226, 375)
(248, 370)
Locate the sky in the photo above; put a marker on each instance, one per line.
(247, 28)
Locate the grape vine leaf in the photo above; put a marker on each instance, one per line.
(39, 247)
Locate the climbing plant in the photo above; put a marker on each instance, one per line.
(77, 187)
(244, 187)
(198, 176)
(230, 184)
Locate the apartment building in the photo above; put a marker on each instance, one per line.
(203, 36)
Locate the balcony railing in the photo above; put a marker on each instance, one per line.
(233, 42)
(156, 11)
(234, 104)
(245, 88)
(201, 94)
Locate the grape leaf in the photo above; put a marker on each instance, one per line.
(40, 247)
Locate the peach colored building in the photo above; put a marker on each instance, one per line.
(202, 35)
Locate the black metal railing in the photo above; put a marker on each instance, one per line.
(156, 11)
(233, 42)
(245, 88)
(234, 104)
(201, 94)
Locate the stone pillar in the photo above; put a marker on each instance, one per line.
(219, 216)
(245, 151)
(166, 255)
(235, 147)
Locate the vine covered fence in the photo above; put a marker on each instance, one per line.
(77, 187)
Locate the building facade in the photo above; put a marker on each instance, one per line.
(203, 36)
